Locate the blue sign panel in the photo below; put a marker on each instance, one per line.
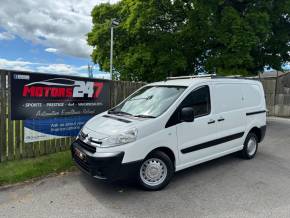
(38, 130)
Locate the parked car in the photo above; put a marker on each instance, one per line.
(168, 126)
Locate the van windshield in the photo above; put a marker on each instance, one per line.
(149, 102)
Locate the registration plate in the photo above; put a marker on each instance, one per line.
(80, 154)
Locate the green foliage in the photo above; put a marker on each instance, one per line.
(22, 170)
(159, 38)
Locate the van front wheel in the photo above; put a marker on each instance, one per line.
(156, 171)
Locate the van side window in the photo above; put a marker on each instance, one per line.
(199, 100)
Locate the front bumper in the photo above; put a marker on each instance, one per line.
(106, 166)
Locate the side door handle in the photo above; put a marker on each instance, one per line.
(211, 121)
(221, 119)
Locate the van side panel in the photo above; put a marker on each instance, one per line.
(255, 105)
(230, 113)
(237, 107)
(229, 125)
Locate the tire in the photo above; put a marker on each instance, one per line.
(250, 146)
(155, 171)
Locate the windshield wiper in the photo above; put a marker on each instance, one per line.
(145, 98)
(144, 116)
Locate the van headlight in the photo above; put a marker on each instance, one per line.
(120, 139)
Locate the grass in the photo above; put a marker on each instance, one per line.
(22, 170)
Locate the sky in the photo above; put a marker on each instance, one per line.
(47, 36)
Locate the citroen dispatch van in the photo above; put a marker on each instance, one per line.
(168, 126)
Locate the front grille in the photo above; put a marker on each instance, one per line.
(82, 135)
(87, 147)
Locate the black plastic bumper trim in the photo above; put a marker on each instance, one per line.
(212, 143)
(263, 132)
(256, 112)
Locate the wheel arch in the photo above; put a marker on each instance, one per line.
(257, 131)
(167, 151)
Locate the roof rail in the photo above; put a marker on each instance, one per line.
(211, 76)
(234, 77)
(192, 76)
(228, 77)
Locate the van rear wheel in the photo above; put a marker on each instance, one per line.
(156, 171)
(250, 146)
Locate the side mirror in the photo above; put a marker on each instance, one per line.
(187, 114)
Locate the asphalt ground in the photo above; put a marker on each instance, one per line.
(226, 187)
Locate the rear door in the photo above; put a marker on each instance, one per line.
(230, 114)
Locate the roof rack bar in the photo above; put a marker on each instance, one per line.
(191, 77)
(235, 77)
(212, 76)
(229, 76)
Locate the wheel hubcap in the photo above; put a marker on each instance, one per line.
(252, 146)
(153, 172)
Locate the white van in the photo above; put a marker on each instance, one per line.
(168, 126)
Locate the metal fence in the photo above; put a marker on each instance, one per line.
(277, 91)
(12, 146)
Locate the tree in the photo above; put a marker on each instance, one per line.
(159, 38)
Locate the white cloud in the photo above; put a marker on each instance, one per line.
(59, 69)
(6, 36)
(66, 69)
(108, 1)
(58, 24)
(51, 50)
(15, 64)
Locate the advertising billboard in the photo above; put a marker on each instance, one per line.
(40, 96)
(55, 106)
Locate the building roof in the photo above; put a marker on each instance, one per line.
(273, 73)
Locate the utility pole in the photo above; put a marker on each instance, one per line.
(90, 71)
(114, 23)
